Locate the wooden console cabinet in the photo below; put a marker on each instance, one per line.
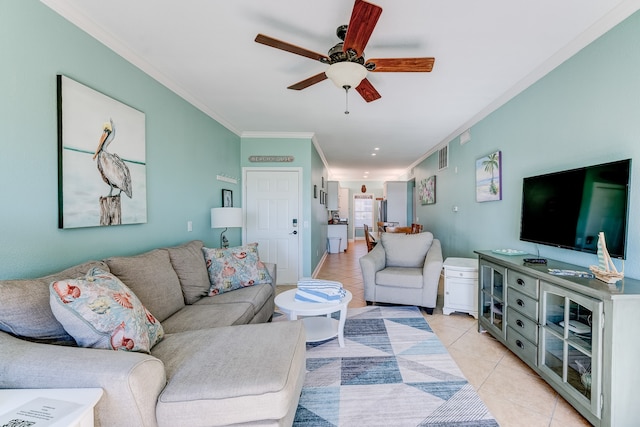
(580, 335)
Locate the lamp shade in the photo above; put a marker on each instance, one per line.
(346, 74)
(226, 217)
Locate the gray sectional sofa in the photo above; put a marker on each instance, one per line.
(219, 363)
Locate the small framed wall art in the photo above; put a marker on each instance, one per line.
(227, 198)
(489, 177)
(427, 191)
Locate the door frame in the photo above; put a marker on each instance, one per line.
(301, 220)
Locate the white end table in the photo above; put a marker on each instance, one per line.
(316, 328)
(66, 407)
(461, 286)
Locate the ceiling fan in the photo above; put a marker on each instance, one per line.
(347, 65)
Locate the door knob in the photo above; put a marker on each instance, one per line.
(294, 232)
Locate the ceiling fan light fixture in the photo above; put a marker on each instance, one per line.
(348, 74)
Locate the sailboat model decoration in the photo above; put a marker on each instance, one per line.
(605, 270)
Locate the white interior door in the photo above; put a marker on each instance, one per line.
(272, 201)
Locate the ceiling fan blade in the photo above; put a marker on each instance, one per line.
(363, 20)
(367, 91)
(415, 65)
(308, 82)
(279, 44)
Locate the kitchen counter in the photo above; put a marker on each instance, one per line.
(339, 230)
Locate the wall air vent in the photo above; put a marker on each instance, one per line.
(443, 158)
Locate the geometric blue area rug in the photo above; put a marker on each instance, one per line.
(393, 371)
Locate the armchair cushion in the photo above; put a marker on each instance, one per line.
(406, 250)
(402, 277)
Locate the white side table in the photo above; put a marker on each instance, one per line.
(461, 286)
(63, 407)
(316, 328)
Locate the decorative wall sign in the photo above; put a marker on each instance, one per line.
(427, 191)
(270, 159)
(489, 177)
(102, 177)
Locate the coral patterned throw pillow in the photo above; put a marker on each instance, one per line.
(234, 268)
(100, 311)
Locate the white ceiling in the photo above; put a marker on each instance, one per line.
(486, 52)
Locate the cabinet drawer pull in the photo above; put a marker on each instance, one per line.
(520, 323)
(520, 344)
(520, 282)
(520, 302)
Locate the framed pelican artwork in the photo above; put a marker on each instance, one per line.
(102, 178)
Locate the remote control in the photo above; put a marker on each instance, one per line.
(535, 260)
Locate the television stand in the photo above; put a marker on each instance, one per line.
(578, 333)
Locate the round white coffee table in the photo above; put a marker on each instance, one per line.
(316, 328)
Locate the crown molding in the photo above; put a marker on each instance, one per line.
(281, 135)
(94, 30)
(598, 29)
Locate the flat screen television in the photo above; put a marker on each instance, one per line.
(568, 209)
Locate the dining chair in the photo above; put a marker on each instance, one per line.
(371, 242)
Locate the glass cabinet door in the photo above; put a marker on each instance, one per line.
(491, 301)
(570, 343)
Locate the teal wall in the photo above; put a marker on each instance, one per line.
(586, 111)
(185, 149)
(314, 237)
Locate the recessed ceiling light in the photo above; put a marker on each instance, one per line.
(373, 154)
(376, 148)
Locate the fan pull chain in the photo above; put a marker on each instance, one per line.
(346, 101)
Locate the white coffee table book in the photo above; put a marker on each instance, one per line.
(316, 328)
(69, 407)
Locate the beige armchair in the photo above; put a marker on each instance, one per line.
(403, 269)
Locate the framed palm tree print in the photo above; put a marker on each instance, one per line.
(489, 177)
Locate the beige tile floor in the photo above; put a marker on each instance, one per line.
(515, 395)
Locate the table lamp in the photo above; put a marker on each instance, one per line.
(225, 218)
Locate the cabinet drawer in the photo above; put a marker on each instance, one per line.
(522, 303)
(522, 347)
(521, 323)
(460, 274)
(523, 283)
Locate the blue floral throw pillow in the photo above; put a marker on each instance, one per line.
(100, 311)
(234, 268)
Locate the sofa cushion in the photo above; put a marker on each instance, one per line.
(234, 268)
(99, 311)
(406, 250)
(401, 277)
(235, 383)
(25, 310)
(256, 295)
(152, 278)
(188, 262)
(193, 317)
